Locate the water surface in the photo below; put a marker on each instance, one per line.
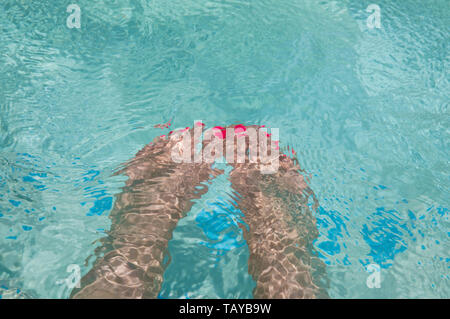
(366, 110)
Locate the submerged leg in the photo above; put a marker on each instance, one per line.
(281, 230)
(280, 234)
(157, 195)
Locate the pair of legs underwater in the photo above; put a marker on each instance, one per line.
(160, 191)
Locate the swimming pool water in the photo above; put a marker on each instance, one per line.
(366, 111)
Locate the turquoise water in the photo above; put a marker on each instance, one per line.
(366, 110)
